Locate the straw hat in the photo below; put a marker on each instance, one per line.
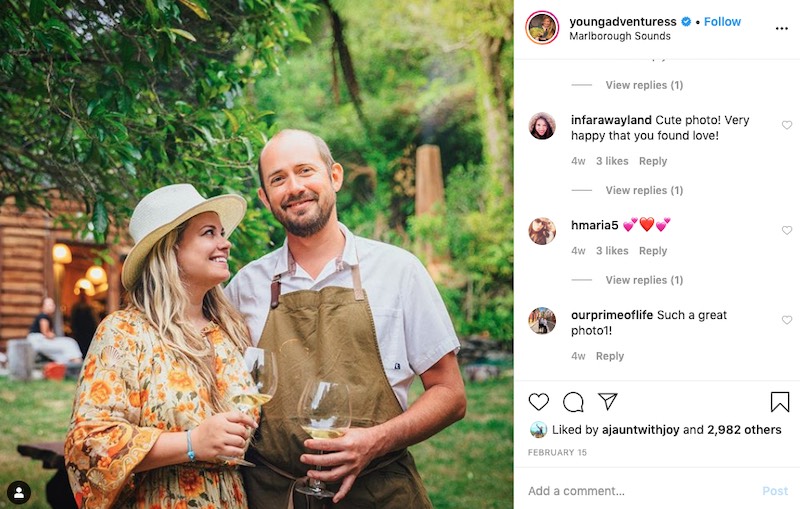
(163, 210)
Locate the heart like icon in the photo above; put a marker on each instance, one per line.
(647, 223)
(538, 401)
(787, 124)
(627, 225)
(661, 226)
(667, 219)
(787, 319)
(633, 220)
(787, 230)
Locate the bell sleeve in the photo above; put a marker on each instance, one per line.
(104, 442)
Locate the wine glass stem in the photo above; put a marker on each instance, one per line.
(316, 484)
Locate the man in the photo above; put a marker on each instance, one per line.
(353, 310)
(84, 321)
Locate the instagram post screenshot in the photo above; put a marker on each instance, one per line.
(655, 241)
(338, 254)
(259, 254)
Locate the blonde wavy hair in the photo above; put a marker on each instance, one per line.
(159, 293)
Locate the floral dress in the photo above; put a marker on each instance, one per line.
(131, 390)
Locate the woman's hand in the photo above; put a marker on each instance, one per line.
(223, 434)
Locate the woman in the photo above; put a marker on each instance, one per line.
(44, 340)
(548, 29)
(545, 31)
(541, 128)
(152, 409)
(542, 231)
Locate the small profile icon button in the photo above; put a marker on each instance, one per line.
(18, 492)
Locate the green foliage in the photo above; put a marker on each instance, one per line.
(479, 237)
(105, 101)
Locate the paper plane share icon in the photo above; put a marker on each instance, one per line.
(608, 398)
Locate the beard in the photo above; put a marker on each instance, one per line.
(309, 223)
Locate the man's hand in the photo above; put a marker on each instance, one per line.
(347, 456)
(443, 403)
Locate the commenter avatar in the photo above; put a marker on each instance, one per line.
(542, 126)
(542, 320)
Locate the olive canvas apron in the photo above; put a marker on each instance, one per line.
(328, 334)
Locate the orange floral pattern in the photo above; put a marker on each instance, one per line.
(130, 391)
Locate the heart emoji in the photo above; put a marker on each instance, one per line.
(787, 319)
(538, 401)
(787, 230)
(661, 226)
(647, 223)
(627, 226)
(787, 124)
(633, 220)
(667, 219)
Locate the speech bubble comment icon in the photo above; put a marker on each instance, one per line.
(573, 402)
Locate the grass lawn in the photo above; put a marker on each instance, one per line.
(36, 411)
(470, 464)
(467, 465)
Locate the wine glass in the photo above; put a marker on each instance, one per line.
(324, 412)
(263, 367)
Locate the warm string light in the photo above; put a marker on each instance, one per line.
(97, 275)
(85, 285)
(62, 254)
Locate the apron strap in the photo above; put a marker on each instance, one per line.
(358, 292)
(275, 291)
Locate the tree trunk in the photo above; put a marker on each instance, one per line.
(335, 75)
(493, 104)
(346, 62)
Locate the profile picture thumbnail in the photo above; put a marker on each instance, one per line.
(542, 27)
(542, 126)
(542, 320)
(538, 429)
(542, 231)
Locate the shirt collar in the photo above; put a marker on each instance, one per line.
(349, 255)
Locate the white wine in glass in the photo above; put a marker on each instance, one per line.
(324, 412)
(263, 367)
(316, 432)
(244, 402)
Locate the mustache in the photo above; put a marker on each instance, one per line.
(291, 200)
